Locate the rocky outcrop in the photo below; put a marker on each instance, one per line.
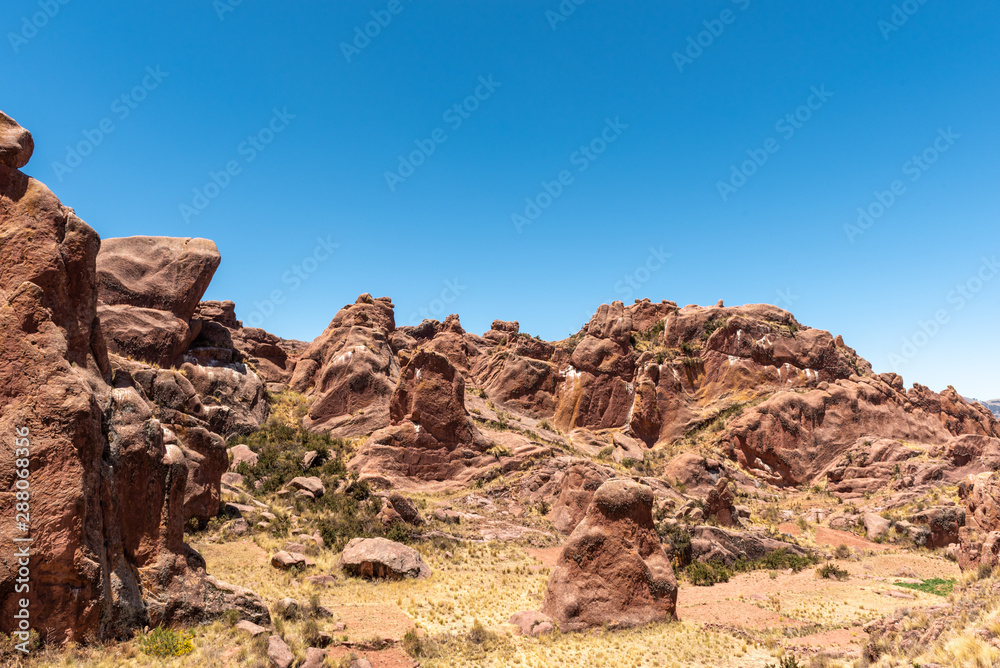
(109, 495)
(613, 570)
(566, 486)
(980, 537)
(793, 436)
(382, 559)
(431, 437)
(709, 543)
(350, 370)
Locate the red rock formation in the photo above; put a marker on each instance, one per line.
(792, 436)
(107, 495)
(613, 570)
(350, 370)
(430, 437)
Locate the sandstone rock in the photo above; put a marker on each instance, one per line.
(350, 370)
(286, 560)
(567, 485)
(242, 454)
(314, 658)
(532, 623)
(279, 652)
(431, 436)
(405, 508)
(613, 569)
(250, 628)
(162, 273)
(313, 485)
(710, 543)
(150, 335)
(321, 580)
(16, 144)
(381, 558)
(720, 504)
(876, 526)
(943, 524)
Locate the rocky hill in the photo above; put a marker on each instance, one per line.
(658, 438)
(992, 404)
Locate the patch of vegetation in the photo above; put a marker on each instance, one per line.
(474, 644)
(163, 643)
(711, 326)
(706, 574)
(832, 572)
(499, 451)
(936, 586)
(679, 539)
(786, 662)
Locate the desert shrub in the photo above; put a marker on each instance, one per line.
(786, 662)
(545, 424)
(499, 451)
(832, 572)
(773, 561)
(163, 643)
(606, 452)
(843, 552)
(679, 539)
(984, 570)
(706, 574)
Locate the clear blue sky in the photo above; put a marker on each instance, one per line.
(673, 127)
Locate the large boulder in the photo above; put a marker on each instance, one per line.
(16, 144)
(613, 570)
(163, 273)
(107, 491)
(382, 559)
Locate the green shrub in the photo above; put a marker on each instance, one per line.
(163, 643)
(832, 572)
(706, 574)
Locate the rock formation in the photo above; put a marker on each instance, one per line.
(613, 570)
(109, 493)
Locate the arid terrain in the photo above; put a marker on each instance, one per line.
(670, 486)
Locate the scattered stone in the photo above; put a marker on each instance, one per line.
(287, 607)
(241, 454)
(249, 627)
(321, 580)
(532, 623)
(279, 652)
(876, 526)
(312, 485)
(447, 516)
(286, 560)
(314, 658)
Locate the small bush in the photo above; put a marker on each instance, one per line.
(707, 574)
(161, 642)
(832, 572)
(843, 552)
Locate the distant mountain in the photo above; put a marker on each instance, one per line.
(992, 404)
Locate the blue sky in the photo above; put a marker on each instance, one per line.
(591, 157)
